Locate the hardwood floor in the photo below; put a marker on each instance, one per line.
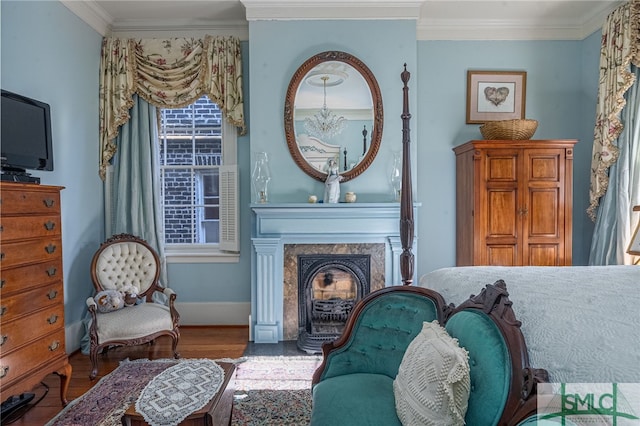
(195, 342)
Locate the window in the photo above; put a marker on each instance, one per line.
(199, 182)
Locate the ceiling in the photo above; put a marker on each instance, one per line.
(435, 19)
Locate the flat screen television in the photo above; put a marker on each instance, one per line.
(26, 142)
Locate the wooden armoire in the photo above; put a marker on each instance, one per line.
(514, 202)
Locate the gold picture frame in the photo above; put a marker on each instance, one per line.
(495, 95)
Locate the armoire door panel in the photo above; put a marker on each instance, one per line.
(543, 254)
(502, 166)
(501, 221)
(502, 255)
(545, 167)
(543, 211)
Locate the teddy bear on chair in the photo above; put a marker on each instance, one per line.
(109, 301)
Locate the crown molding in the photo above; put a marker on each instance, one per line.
(92, 14)
(495, 30)
(331, 10)
(426, 28)
(518, 29)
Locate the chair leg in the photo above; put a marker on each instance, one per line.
(174, 346)
(93, 356)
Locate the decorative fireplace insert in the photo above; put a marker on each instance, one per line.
(329, 287)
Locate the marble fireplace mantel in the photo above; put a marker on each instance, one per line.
(278, 224)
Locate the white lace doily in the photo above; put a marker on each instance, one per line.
(179, 391)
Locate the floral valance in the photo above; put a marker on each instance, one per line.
(619, 48)
(168, 73)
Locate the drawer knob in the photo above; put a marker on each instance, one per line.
(3, 371)
(3, 309)
(48, 202)
(2, 283)
(52, 294)
(55, 345)
(3, 339)
(49, 225)
(52, 319)
(50, 248)
(51, 271)
(1, 228)
(2, 256)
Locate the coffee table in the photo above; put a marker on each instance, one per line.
(216, 412)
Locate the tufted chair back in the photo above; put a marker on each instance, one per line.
(379, 330)
(126, 262)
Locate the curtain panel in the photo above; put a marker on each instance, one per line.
(167, 73)
(620, 47)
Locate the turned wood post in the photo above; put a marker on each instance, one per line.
(406, 194)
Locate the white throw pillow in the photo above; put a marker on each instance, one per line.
(432, 386)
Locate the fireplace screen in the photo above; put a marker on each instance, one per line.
(330, 286)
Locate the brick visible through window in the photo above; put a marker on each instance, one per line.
(190, 156)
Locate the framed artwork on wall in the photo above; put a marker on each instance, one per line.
(495, 95)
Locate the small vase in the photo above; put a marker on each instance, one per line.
(396, 176)
(260, 178)
(350, 197)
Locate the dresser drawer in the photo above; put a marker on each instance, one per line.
(23, 278)
(25, 252)
(16, 333)
(17, 305)
(24, 227)
(29, 200)
(17, 363)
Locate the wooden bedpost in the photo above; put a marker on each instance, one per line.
(406, 195)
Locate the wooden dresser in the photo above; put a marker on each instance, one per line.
(32, 333)
(514, 202)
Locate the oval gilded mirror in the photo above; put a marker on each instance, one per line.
(333, 113)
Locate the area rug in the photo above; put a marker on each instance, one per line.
(269, 391)
(105, 403)
(274, 390)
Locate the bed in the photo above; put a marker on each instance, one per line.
(581, 323)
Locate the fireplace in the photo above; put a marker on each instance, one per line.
(329, 285)
(282, 232)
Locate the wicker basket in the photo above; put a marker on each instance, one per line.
(509, 129)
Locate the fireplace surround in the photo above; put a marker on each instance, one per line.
(333, 228)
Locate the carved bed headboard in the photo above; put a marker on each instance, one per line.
(317, 152)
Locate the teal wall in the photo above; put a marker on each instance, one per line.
(559, 96)
(278, 48)
(50, 54)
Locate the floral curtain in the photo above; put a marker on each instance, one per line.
(166, 73)
(620, 47)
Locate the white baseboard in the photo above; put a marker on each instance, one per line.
(213, 313)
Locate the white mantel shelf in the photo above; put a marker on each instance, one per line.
(277, 224)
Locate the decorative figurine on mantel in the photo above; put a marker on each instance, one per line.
(332, 183)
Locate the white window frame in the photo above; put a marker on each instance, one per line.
(227, 251)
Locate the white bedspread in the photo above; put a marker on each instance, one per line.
(581, 323)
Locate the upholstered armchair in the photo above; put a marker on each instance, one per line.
(121, 262)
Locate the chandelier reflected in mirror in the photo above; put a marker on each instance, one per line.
(325, 124)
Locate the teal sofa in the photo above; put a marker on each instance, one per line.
(354, 384)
